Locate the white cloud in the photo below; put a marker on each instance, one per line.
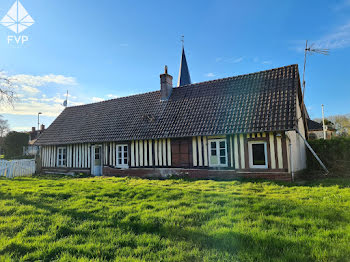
(20, 95)
(34, 95)
(29, 89)
(22, 128)
(72, 97)
(32, 80)
(339, 38)
(210, 75)
(75, 103)
(237, 60)
(267, 62)
(230, 60)
(96, 99)
(31, 106)
(124, 45)
(112, 96)
(342, 5)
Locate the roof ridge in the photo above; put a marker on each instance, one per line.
(117, 98)
(232, 77)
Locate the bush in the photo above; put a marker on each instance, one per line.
(14, 143)
(334, 153)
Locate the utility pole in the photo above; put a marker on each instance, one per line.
(324, 126)
(38, 119)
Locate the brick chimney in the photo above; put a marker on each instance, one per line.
(42, 127)
(166, 84)
(33, 129)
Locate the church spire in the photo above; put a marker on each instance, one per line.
(184, 74)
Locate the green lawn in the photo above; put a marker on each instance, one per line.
(122, 219)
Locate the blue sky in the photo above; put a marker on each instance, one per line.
(105, 49)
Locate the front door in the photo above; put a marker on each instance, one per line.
(217, 153)
(96, 160)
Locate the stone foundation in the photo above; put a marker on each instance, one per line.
(196, 173)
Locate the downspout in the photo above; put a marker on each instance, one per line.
(291, 160)
(290, 156)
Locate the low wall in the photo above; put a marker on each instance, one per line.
(67, 171)
(281, 175)
(195, 173)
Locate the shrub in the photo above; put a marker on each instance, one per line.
(334, 153)
(13, 144)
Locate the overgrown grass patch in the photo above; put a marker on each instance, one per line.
(123, 219)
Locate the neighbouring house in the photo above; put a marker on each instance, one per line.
(315, 130)
(31, 149)
(241, 126)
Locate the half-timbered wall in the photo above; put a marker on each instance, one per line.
(238, 152)
(151, 152)
(180, 152)
(77, 155)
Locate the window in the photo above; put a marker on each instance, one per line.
(61, 156)
(122, 156)
(257, 154)
(97, 153)
(217, 153)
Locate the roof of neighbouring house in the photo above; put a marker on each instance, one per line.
(34, 135)
(316, 126)
(257, 102)
(313, 125)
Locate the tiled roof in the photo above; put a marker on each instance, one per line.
(313, 125)
(262, 101)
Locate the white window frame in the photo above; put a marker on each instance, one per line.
(60, 162)
(117, 155)
(250, 150)
(217, 152)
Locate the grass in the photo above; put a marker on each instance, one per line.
(124, 219)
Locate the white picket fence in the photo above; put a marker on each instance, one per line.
(15, 168)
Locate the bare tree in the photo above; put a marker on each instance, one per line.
(4, 126)
(342, 124)
(7, 91)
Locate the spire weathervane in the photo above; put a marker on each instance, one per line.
(184, 74)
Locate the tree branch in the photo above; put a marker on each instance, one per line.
(7, 90)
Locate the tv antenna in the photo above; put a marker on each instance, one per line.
(311, 50)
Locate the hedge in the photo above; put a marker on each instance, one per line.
(334, 153)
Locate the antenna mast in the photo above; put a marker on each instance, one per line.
(311, 50)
